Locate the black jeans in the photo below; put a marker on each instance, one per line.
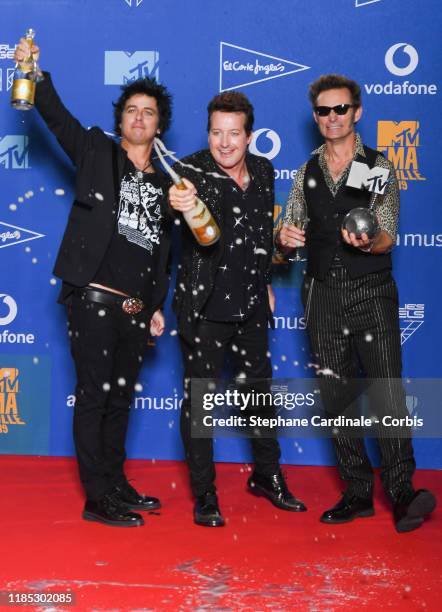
(107, 346)
(248, 342)
(354, 324)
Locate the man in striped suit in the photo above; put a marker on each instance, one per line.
(351, 304)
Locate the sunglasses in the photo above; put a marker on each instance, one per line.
(339, 109)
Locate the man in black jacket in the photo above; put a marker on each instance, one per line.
(223, 296)
(113, 261)
(351, 303)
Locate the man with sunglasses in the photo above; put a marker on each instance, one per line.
(351, 303)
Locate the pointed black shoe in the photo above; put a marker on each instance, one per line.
(275, 489)
(206, 511)
(347, 509)
(411, 508)
(111, 511)
(133, 500)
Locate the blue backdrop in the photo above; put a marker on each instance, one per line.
(271, 51)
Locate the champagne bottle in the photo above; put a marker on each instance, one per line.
(200, 220)
(26, 75)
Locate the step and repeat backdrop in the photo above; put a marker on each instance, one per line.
(270, 50)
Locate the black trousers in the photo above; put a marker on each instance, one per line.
(107, 346)
(248, 343)
(353, 324)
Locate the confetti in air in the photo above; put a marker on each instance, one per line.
(59, 192)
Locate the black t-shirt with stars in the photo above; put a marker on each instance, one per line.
(236, 291)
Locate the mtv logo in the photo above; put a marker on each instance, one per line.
(7, 74)
(398, 134)
(240, 67)
(8, 380)
(121, 67)
(14, 152)
(9, 389)
(362, 176)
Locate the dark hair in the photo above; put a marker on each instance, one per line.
(334, 81)
(232, 102)
(148, 87)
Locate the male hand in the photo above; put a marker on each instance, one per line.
(157, 323)
(24, 50)
(364, 242)
(291, 237)
(183, 200)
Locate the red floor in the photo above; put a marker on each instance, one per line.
(264, 559)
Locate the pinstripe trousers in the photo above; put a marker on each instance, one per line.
(353, 326)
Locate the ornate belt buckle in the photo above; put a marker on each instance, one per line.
(132, 306)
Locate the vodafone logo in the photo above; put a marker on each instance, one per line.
(399, 49)
(269, 145)
(11, 309)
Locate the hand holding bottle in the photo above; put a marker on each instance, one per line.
(183, 200)
(26, 72)
(183, 197)
(26, 51)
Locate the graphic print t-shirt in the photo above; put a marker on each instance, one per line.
(129, 263)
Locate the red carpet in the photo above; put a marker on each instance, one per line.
(264, 559)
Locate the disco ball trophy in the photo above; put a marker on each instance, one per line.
(362, 220)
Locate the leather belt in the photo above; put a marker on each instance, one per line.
(129, 305)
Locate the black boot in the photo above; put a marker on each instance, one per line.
(110, 510)
(275, 489)
(133, 500)
(411, 507)
(348, 508)
(206, 511)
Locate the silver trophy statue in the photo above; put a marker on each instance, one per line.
(363, 220)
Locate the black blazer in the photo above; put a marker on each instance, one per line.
(92, 218)
(198, 264)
